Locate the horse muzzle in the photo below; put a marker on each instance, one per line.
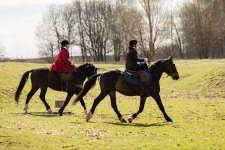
(175, 76)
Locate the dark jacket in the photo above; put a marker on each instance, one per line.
(132, 59)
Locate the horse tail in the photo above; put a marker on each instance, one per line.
(21, 85)
(87, 86)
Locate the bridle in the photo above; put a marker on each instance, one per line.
(170, 71)
(83, 74)
(167, 72)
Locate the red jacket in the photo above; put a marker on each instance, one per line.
(62, 63)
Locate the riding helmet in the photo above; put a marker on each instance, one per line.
(132, 42)
(65, 42)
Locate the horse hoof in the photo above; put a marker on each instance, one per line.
(130, 119)
(60, 113)
(169, 120)
(89, 116)
(49, 111)
(25, 109)
(123, 120)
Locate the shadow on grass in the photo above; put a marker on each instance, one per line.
(45, 114)
(77, 122)
(4, 136)
(141, 124)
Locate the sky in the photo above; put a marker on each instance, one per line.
(18, 22)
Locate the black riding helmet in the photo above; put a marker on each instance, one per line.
(64, 43)
(132, 43)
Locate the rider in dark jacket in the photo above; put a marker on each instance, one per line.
(133, 62)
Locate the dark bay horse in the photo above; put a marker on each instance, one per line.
(43, 78)
(113, 81)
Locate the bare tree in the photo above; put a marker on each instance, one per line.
(58, 23)
(157, 25)
(197, 26)
(1, 50)
(49, 33)
(126, 25)
(81, 38)
(203, 27)
(217, 14)
(69, 22)
(94, 20)
(178, 41)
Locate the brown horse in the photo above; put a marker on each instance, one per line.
(113, 81)
(43, 78)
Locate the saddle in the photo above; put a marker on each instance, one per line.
(66, 76)
(137, 77)
(65, 79)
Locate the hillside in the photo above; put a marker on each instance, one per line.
(199, 79)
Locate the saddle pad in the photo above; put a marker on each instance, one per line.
(134, 80)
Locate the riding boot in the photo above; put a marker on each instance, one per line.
(64, 86)
(66, 79)
(143, 89)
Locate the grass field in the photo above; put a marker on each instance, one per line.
(196, 103)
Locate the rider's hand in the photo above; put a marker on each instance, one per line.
(140, 63)
(146, 59)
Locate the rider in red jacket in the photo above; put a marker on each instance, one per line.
(62, 64)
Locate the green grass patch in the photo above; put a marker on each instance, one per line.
(195, 102)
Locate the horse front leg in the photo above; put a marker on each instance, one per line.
(68, 97)
(161, 107)
(81, 102)
(114, 106)
(100, 97)
(83, 105)
(141, 108)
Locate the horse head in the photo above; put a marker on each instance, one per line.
(87, 69)
(170, 68)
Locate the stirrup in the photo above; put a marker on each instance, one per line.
(79, 86)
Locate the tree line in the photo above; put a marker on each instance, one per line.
(102, 28)
(1, 50)
(203, 29)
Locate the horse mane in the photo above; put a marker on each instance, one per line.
(153, 66)
(83, 66)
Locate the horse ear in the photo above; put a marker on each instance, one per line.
(171, 58)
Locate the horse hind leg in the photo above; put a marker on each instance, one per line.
(29, 96)
(84, 106)
(114, 106)
(141, 108)
(42, 97)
